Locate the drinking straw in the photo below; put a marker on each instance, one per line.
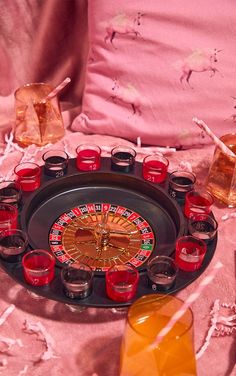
(216, 140)
(58, 88)
(192, 297)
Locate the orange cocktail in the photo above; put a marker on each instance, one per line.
(173, 356)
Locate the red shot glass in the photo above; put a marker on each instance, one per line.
(38, 267)
(198, 202)
(88, 157)
(155, 168)
(28, 176)
(121, 282)
(189, 253)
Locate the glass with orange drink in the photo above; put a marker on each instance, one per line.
(174, 355)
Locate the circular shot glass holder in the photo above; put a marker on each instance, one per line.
(41, 208)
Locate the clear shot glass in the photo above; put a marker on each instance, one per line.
(10, 193)
(162, 272)
(180, 183)
(203, 226)
(55, 163)
(122, 158)
(77, 280)
(13, 245)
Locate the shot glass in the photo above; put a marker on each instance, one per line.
(162, 272)
(121, 282)
(55, 163)
(28, 176)
(203, 226)
(189, 253)
(180, 183)
(38, 267)
(10, 193)
(88, 157)
(8, 216)
(77, 280)
(122, 158)
(13, 244)
(155, 168)
(198, 202)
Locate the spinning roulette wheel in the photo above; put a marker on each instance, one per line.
(102, 218)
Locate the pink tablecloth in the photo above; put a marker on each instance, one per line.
(88, 343)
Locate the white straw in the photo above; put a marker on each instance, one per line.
(216, 140)
(58, 88)
(192, 297)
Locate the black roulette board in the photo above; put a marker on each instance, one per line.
(63, 215)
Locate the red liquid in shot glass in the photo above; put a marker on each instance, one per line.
(8, 217)
(88, 160)
(29, 179)
(189, 255)
(197, 205)
(38, 269)
(154, 171)
(121, 285)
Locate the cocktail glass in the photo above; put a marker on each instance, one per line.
(221, 180)
(38, 119)
(174, 355)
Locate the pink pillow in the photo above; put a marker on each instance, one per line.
(154, 65)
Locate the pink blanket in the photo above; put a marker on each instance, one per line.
(88, 343)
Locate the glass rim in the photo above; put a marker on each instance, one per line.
(12, 231)
(203, 245)
(42, 251)
(195, 217)
(56, 155)
(92, 146)
(128, 149)
(167, 260)
(31, 84)
(228, 135)
(203, 194)
(77, 267)
(156, 297)
(123, 267)
(37, 168)
(156, 157)
(15, 182)
(182, 172)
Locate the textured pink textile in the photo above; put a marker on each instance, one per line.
(152, 66)
(88, 343)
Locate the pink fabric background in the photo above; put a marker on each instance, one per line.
(133, 81)
(88, 343)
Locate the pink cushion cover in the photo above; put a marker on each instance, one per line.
(154, 65)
